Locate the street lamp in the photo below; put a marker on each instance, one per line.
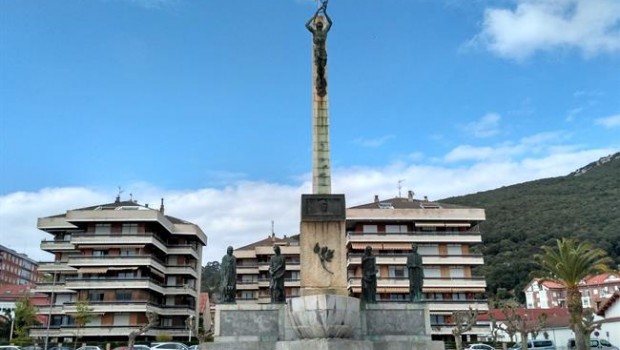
(49, 312)
(190, 325)
(12, 326)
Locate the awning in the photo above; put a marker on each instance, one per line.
(362, 246)
(457, 224)
(430, 224)
(397, 246)
(120, 268)
(392, 290)
(93, 270)
(111, 246)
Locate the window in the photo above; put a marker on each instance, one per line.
(103, 229)
(100, 252)
(370, 229)
(95, 295)
(437, 319)
(128, 252)
(396, 228)
(459, 296)
(432, 271)
(428, 249)
(125, 275)
(457, 272)
(398, 272)
(247, 295)
(455, 249)
(130, 229)
(123, 295)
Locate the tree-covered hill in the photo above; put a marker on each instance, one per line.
(521, 218)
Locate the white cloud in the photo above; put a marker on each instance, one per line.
(486, 126)
(373, 143)
(609, 122)
(590, 26)
(241, 213)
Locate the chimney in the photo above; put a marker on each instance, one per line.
(376, 198)
(161, 207)
(410, 196)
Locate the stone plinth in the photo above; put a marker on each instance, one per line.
(398, 326)
(324, 316)
(325, 344)
(323, 224)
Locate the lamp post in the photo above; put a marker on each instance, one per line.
(12, 326)
(49, 312)
(190, 325)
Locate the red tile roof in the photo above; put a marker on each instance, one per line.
(600, 279)
(556, 317)
(608, 303)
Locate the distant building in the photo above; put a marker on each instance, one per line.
(253, 268)
(610, 326)
(557, 322)
(10, 294)
(594, 291)
(444, 234)
(126, 260)
(17, 268)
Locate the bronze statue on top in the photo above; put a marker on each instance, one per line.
(228, 278)
(277, 268)
(416, 274)
(319, 33)
(369, 276)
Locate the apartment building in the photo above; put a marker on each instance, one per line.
(253, 269)
(17, 268)
(595, 290)
(126, 260)
(444, 234)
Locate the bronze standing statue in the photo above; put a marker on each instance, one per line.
(319, 33)
(277, 267)
(416, 274)
(369, 276)
(228, 277)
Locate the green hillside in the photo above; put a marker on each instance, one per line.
(523, 217)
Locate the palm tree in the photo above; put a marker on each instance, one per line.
(568, 264)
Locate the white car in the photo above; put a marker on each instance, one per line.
(480, 347)
(169, 346)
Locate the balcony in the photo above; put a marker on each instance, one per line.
(103, 331)
(247, 285)
(118, 261)
(182, 270)
(431, 285)
(58, 287)
(416, 237)
(55, 266)
(179, 290)
(114, 283)
(117, 240)
(182, 250)
(247, 270)
(401, 259)
(56, 246)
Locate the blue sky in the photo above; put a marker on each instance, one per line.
(207, 104)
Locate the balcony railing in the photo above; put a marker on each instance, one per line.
(429, 282)
(401, 259)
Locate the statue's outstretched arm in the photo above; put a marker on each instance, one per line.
(329, 22)
(309, 23)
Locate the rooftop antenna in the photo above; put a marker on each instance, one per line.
(400, 183)
(131, 197)
(118, 196)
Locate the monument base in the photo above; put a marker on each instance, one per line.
(325, 344)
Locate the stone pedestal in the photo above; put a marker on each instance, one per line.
(323, 229)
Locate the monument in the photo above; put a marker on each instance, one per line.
(323, 317)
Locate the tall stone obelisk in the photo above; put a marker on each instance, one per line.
(322, 234)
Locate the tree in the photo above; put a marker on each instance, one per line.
(522, 323)
(463, 322)
(568, 263)
(152, 319)
(25, 317)
(210, 278)
(83, 315)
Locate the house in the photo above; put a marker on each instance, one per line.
(610, 313)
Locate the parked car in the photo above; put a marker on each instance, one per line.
(89, 347)
(194, 347)
(480, 347)
(594, 344)
(32, 347)
(60, 348)
(10, 347)
(542, 344)
(135, 347)
(169, 346)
